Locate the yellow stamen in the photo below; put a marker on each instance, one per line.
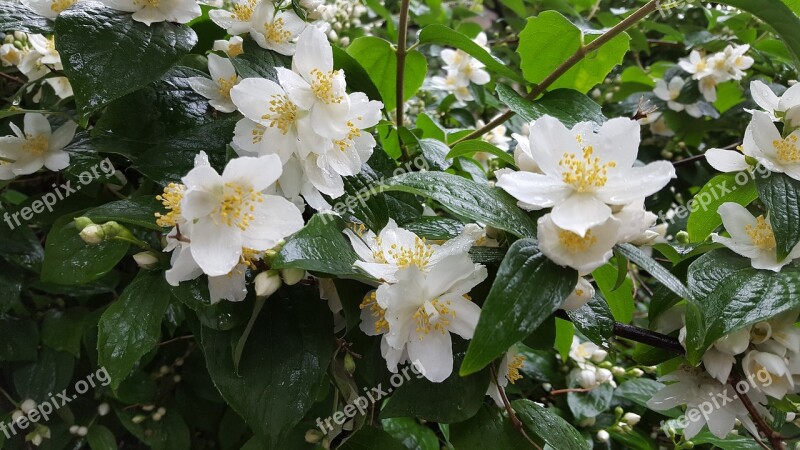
(761, 234)
(371, 301)
(420, 255)
(237, 207)
(322, 86)
(60, 5)
(274, 31)
(225, 86)
(787, 149)
(282, 113)
(585, 174)
(513, 374)
(574, 243)
(36, 145)
(171, 199)
(244, 11)
(433, 314)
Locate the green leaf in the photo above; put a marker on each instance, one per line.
(436, 152)
(442, 35)
(98, 45)
(550, 39)
(528, 288)
(357, 78)
(549, 427)
(21, 338)
(169, 433)
(594, 320)
(659, 272)
(435, 228)
(319, 247)
(453, 400)
(283, 362)
(731, 442)
(137, 211)
(379, 58)
(467, 199)
(131, 326)
(68, 260)
(638, 390)
(101, 438)
(51, 373)
(723, 188)
(487, 430)
(63, 330)
(619, 300)
(567, 105)
(411, 433)
(777, 15)
(372, 211)
(781, 195)
(584, 405)
(729, 294)
(17, 17)
(369, 438)
(257, 62)
(469, 148)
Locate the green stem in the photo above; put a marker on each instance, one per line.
(402, 37)
(581, 53)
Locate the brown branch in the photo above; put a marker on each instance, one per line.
(584, 50)
(402, 37)
(512, 415)
(567, 391)
(773, 436)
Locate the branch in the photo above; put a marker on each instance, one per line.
(584, 50)
(773, 437)
(402, 37)
(512, 415)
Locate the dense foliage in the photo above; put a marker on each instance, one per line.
(411, 224)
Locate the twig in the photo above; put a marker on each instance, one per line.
(584, 50)
(762, 425)
(512, 415)
(402, 37)
(567, 391)
(179, 338)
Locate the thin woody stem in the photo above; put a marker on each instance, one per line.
(402, 37)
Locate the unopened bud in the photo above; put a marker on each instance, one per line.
(637, 372)
(604, 375)
(93, 234)
(587, 422)
(292, 276)
(27, 406)
(138, 419)
(631, 418)
(587, 379)
(603, 436)
(82, 222)
(267, 283)
(349, 363)
(146, 260)
(617, 371)
(103, 409)
(313, 436)
(20, 36)
(682, 237)
(599, 355)
(17, 415)
(82, 431)
(73, 429)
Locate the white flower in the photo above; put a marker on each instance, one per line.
(736, 60)
(234, 210)
(37, 146)
(276, 30)
(267, 283)
(631, 418)
(523, 157)
(313, 85)
(718, 360)
(496, 137)
(582, 253)
(783, 331)
(603, 436)
(152, 11)
(670, 93)
(697, 391)
(11, 55)
(48, 8)
(61, 86)
(218, 89)
(696, 64)
(585, 171)
(395, 248)
(32, 66)
(768, 373)
(581, 352)
(233, 47)
(583, 292)
(508, 371)
(237, 20)
(422, 309)
(461, 65)
(636, 223)
(708, 87)
(786, 107)
(456, 85)
(751, 237)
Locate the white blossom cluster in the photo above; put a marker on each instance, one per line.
(461, 70)
(35, 56)
(338, 17)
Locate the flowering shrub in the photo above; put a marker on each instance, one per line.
(422, 224)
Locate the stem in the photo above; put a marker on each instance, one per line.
(584, 50)
(512, 415)
(402, 37)
(773, 437)
(567, 391)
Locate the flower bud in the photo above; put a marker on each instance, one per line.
(587, 422)
(637, 372)
(267, 283)
(93, 234)
(617, 371)
(604, 375)
(20, 36)
(603, 436)
(17, 415)
(587, 379)
(631, 418)
(313, 436)
(599, 355)
(82, 431)
(146, 260)
(36, 440)
(682, 237)
(103, 409)
(9, 39)
(27, 406)
(138, 419)
(292, 276)
(349, 363)
(73, 429)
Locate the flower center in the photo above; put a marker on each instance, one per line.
(243, 11)
(433, 314)
(235, 50)
(274, 31)
(574, 243)
(420, 255)
(60, 5)
(345, 143)
(282, 113)
(513, 374)
(787, 149)
(147, 3)
(371, 301)
(761, 234)
(36, 145)
(585, 174)
(171, 199)
(237, 206)
(225, 86)
(258, 133)
(323, 88)
(250, 256)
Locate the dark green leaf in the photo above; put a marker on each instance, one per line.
(63, 330)
(98, 44)
(468, 199)
(17, 17)
(723, 188)
(411, 433)
(619, 300)
(549, 427)
(655, 269)
(638, 390)
(319, 247)
(138, 211)
(781, 195)
(469, 148)
(51, 373)
(594, 320)
(567, 105)
(436, 152)
(528, 288)
(435, 228)
(257, 62)
(373, 210)
(21, 338)
(589, 404)
(131, 326)
(369, 438)
(101, 438)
